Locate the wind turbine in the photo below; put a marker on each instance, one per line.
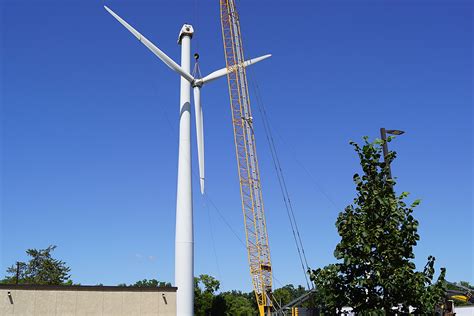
(184, 242)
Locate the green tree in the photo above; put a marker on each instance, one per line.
(151, 283)
(204, 288)
(461, 288)
(287, 293)
(233, 303)
(466, 284)
(42, 268)
(147, 283)
(283, 295)
(378, 232)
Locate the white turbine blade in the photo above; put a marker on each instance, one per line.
(224, 71)
(168, 61)
(199, 134)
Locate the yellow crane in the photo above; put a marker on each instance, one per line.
(247, 163)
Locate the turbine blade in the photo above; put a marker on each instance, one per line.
(168, 61)
(199, 134)
(224, 71)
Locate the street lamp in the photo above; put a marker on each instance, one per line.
(383, 134)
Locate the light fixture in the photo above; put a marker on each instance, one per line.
(394, 132)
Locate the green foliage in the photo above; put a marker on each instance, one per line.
(234, 303)
(151, 283)
(378, 232)
(209, 283)
(461, 288)
(466, 284)
(42, 268)
(288, 293)
(283, 295)
(204, 288)
(147, 283)
(459, 285)
(331, 289)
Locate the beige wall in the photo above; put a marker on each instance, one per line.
(86, 302)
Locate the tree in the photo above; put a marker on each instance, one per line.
(466, 284)
(147, 283)
(283, 295)
(204, 288)
(461, 288)
(288, 293)
(375, 271)
(234, 303)
(42, 268)
(151, 283)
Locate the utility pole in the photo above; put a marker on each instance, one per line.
(17, 272)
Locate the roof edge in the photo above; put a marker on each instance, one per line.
(103, 288)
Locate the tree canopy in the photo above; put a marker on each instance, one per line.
(204, 288)
(148, 283)
(287, 293)
(234, 303)
(42, 268)
(378, 232)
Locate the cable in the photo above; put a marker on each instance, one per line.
(213, 241)
(207, 198)
(196, 23)
(206, 201)
(282, 183)
(172, 129)
(206, 195)
(310, 175)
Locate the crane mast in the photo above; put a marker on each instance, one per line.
(247, 163)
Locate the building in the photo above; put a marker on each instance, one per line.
(36, 300)
(464, 310)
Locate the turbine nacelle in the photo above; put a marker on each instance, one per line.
(197, 83)
(188, 30)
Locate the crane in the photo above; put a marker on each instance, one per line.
(247, 162)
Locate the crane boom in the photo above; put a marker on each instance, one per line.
(247, 163)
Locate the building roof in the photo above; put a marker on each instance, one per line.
(101, 288)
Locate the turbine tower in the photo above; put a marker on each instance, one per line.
(184, 238)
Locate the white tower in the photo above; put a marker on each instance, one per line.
(184, 239)
(184, 251)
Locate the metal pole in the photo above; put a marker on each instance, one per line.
(383, 135)
(184, 253)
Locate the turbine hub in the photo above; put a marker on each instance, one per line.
(197, 83)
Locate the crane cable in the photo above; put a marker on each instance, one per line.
(276, 162)
(281, 180)
(196, 16)
(208, 201)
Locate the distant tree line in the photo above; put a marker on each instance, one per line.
(148, 283)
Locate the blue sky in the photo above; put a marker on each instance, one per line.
(89, 123)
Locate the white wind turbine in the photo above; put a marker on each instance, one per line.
(184, 251)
